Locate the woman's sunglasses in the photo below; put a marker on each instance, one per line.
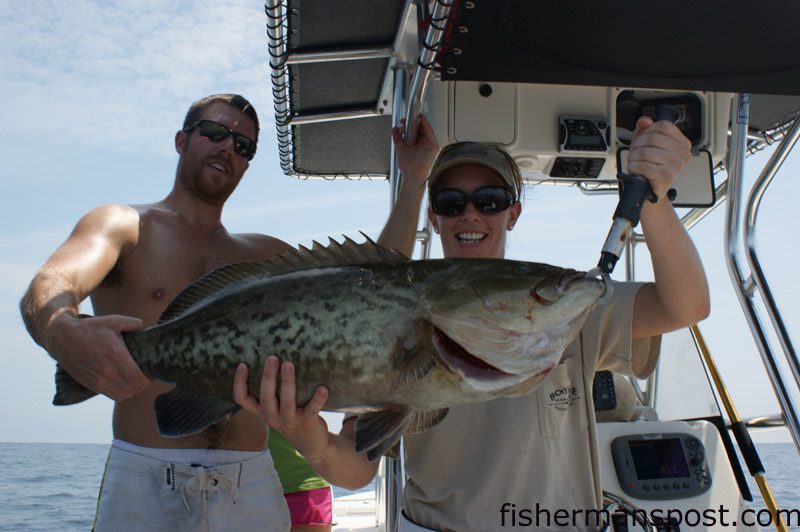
(488, 200)
(216, 132)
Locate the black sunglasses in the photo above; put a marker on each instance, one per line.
(216, 132)
(488, 200)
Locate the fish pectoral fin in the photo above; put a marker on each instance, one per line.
(377, 432)
(421, 421)
(419, 365)
(181, 413)
(68, 390)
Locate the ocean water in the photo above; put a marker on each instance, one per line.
(49, 486)
(53, 486)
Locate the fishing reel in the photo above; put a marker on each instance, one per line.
(621, 511)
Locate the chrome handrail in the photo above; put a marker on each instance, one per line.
(411, 102)
(427, 57)
(422, 73)
(732, 233)
(333, 116)
(325, 56)
(754, 201)
(399, 101)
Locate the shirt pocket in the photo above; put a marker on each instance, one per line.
(561, 401)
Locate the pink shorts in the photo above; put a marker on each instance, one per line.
(312, 507)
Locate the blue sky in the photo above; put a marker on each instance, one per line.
(93, 93)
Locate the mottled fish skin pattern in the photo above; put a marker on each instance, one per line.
(348, 328)
(396, 340)
(354, 329)
(300, 317)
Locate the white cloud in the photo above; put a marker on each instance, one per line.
(107, 75)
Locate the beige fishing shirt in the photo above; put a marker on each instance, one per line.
(537, 452)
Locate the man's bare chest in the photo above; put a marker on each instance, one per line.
(149, 279)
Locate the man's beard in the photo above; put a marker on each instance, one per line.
(213, 189)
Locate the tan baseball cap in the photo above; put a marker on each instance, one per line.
(487, 155)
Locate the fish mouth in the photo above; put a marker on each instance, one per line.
(553, 288)
(468, 366)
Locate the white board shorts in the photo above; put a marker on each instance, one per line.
(189, 489)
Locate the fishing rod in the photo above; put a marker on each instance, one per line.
(633, 191)
(739, 429)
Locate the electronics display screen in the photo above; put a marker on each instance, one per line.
(594, 140)
(656, 459)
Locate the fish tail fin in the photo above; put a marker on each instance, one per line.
(68, 390)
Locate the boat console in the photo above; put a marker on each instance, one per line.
(672, 469)
(560, 86)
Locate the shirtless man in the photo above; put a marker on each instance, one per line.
(132, 261)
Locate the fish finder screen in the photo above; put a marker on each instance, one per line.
(595, 140)
(655, 459)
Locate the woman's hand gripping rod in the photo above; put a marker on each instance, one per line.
(633, 190)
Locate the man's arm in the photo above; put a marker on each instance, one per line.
(332, 456)
(90, 350)
(679, 296)
(415, 163)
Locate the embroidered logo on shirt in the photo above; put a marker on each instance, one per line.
(565, 397)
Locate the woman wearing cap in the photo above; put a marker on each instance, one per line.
(516, 462)
(527, 461)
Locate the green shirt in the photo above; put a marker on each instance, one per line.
(295, 473)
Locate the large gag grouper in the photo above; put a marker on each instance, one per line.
(393, 339)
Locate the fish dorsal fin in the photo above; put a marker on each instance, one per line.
(348, 253)
(213, 283)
